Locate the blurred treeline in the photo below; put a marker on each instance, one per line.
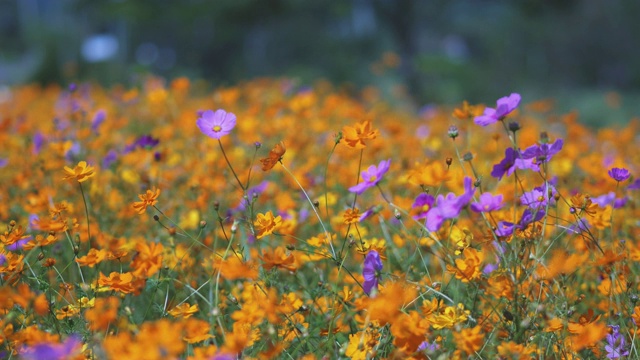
(440, 50)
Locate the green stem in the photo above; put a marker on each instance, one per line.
(86, 211)
(230, 167)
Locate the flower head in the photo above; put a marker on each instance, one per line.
(544, 152)
(616, 343)
(370, 271)
(147, 199)
(449, 206)
(81, 172)
(275, 155)
(354, 136)
(216, 124)
(512, 160)
(488, 203)
(619, 174)
(505, 106)
(266, 224)
(371, 177)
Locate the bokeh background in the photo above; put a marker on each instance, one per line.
(583, 54)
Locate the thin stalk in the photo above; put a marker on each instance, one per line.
(230, 167)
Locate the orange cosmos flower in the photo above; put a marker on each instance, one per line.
(196, 330)
(149, 198)
(469, 340)
(354, 136)
(92, 258)
(351, 216)
(278, 258)
(469, 268)
(467, 111)
(148, 260)
(275, 155)
(233, 268)
(103, 313)
(183, 310)
(117, 282)
(266, 224)
(81, 172)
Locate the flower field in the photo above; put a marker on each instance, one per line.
(273, 220)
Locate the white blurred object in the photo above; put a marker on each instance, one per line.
(97, 48)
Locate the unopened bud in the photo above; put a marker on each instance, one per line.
(467, 156)
(397, 214)
(514, 126)
(544, 138)
(203, 224)
(258, 145)
(216, 205)
(449, 161)
(453, 131)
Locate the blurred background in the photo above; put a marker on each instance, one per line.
(584, 54)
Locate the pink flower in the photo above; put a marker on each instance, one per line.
(505, 106)
(371, 177)
(370, 271)
(216, 124)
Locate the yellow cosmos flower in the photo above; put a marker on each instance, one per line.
(266, 224)
(81, 172)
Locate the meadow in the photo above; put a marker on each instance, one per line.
(273, 219)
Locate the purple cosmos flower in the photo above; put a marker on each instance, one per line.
(449, 206)
(371, 177)
(619, 174)
(506, 228)
(368, 213)
(616, 344)
(512, 161)
(505, 106)
(635, 185)
(370, 271)
(18, 244)
(488, 203)
(98, 119)
(109, 159)
(38, 141)
(538, 197)
(544, 152)
(48, 351)
(3, 162)
(427, 346)
(421, 202)
(216, 124)
(142, 142)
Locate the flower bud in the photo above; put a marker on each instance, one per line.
(467, 156)
(449, 161)
(453, 131)
(514, 126)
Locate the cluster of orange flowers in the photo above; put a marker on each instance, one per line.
(172, 245)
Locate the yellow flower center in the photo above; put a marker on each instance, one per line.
(217, 128)
(372, 178)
